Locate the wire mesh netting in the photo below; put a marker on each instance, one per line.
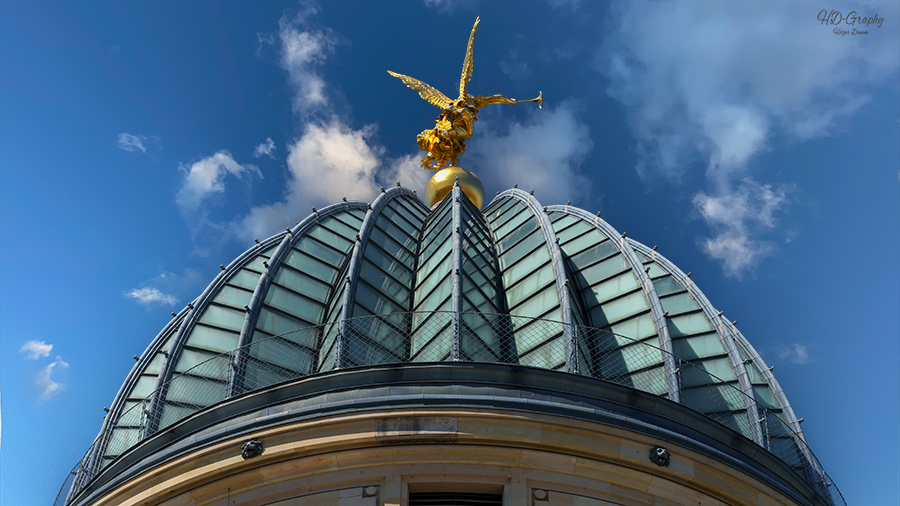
(420, 337)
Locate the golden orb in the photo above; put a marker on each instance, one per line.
(442, 183)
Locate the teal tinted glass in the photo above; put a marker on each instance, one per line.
(341, 228)
(311, 266)
(551, 354)
(234, 297)
(212, 339)
(511, 241)
(389, 264)
(223, 317)
(526, 287)
(302, 283)
(571, 232)
(399, 219)
(318, 251)
(593, 254)
(602, 270)
(636, 328)
(246, 279)
(713, 399)
(375, 301)
(437, 255)
(276, 324)
(666, 285)
(764, 397)
(188, 359)
(679, 303)
(623, 283)
(504, 229)
(385, 284)
(707, 372)
(330, 238)
(392, 247)
(692, 323)
(539, 304)
(534, 260)
(438, 274)
(655, 270)
(302, 307)
(561, 221)
(581, 243)
(702, 346)
(618, 309)
(523, 248)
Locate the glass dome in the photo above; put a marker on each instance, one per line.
(550, 287)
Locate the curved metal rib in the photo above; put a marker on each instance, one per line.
(359, 250)
(559, 271)
(733, 355)
(769, 378)
(115, 410)
(265, 280)
(190, 320)
(659, 319)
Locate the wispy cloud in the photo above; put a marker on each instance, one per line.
(331, 159)
(447, 6)
(794, 353)
(515, 68)
(207, 177)
(132, 143)
(327, 163)
(738, 217)
(45, 383)
(34, 350)
(162, 290)
(266, 148)
(303, 50)
(543, 154)
(709, 84)
(149, 295)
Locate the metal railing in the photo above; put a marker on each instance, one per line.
(430, 337)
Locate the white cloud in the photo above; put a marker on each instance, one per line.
(161, 290)
(44, 381)
(556, 4)
(406, 170)
(794, 353)
(149, 295)
(542, 154)
(328, 162)
(36, 349)
(132, 143)
(713, 82)
(716, 79)
(207, 176)
(303, 50)
(446, 6)
(737, 217)
(265, 149)
(515, 69)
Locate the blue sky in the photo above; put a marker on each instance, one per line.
(144, 144)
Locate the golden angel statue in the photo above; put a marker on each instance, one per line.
(446, 141)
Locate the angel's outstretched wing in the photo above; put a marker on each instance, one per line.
(467, 64)
(431, 95)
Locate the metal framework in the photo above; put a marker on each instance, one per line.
(403, 289)
(724, 334)
(559, 269)
(649, 291)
